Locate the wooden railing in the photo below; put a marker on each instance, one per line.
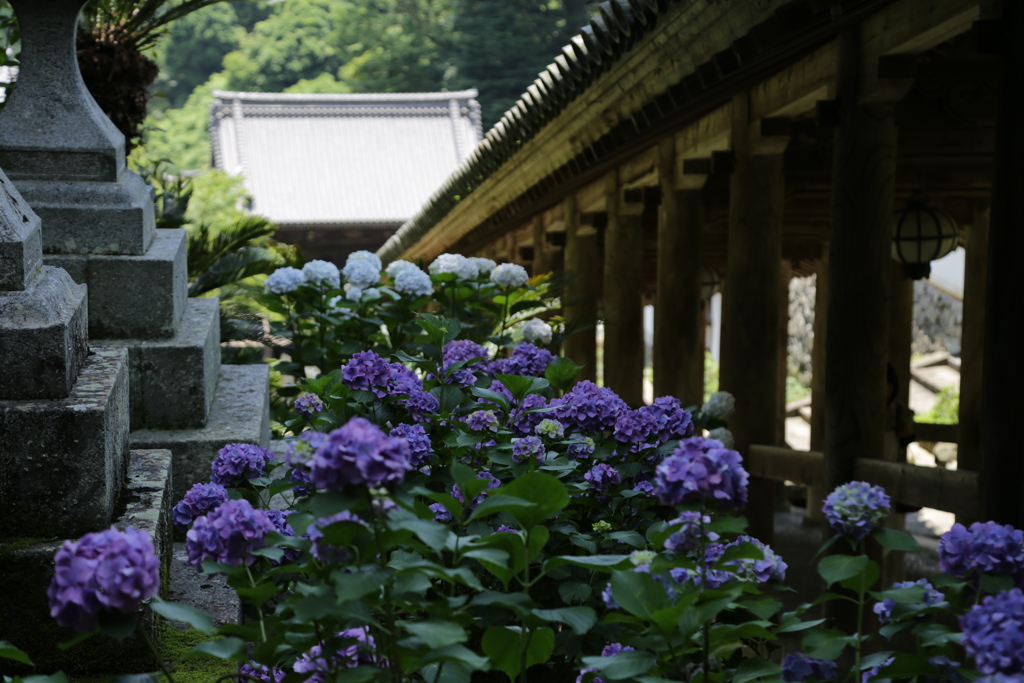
(932, 487)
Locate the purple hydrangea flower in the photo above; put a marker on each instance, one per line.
(1001, 678)
(602, 477)
(238, 461)
(994, 633)
(505, 529)
(526, 360)
(441, 513)
(873, 671)
(463, 350)
(322, 549)
(653, 425)
(984, 548)
(360, 453)
(753, 570)
(581, 450)
(800, 667)
(947, 670)
(701, 471)
(229, 534)
(307, 404)
(420, 447)
(523, 422)
(304, 478)
(198, 500)
(636, 428)
(526, 447)
(608, 651)
(706, 574)
(359, 653)
(644, 487)
(482, 421)
(931, 597)
(607, 598)
(366, 371)
(589, 408)
(688, 538)
(299, 452)
(261, 673)
(402, 380)
(279, 518)
(105, 571)
(856, 508)
(492, 483)
(422, 405)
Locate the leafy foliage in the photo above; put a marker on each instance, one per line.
(946, 410)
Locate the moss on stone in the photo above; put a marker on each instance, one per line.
(174, 644)
(8, 545)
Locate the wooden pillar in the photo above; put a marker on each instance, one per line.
(750, 310)
(1002, 468)
(541, 255)
(901, 331)
(816, 490)
(580, 302)
(860, 242)
(782, 369)
(623, 296)
(678, 316)
(972, 342)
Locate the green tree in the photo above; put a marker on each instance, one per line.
(501, 45)
(297, 41)
(194, 50)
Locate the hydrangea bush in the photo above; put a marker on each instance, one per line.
(457, 510)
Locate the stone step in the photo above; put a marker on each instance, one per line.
(173, 381)
(26, 569)
(240, 414)
(133, 297)
(63, 460)
(82, 217)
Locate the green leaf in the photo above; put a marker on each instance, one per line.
(800, 626)
(518, 386)
(354, 586)
(436, 633)
(864, 580)
(547, 493)
(495, 503)
(135, 678)
(751, 669)
(185, 614)
(826, 643)
(897, 540)
(599, 562)
(258, 594)
(8, 651)
(579, 619)
(995, 583)
(224, 648)
(629, 538)
(764, 607)
(360, 674)
(491, 396)
(117, 625)
(836, 568)
(432, 534)
(574, 591)
(465, 478)
(503, 644)
(455, 654)
(638, 593)
(561, 372)
(621, 666)
(449, 397)
(58, 677)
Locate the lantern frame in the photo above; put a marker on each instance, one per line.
(921, 234)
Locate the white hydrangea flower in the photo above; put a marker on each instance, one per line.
(415, 282)
(334, 307)
(371, 292)
(284, 280)
(537, 331)
(721, 405)
(363, 255)
(724, 435)
(455, 263)
(509, 275)
(322, 272)
(483, 265)
(552, 429)
(396, 267)
(361, 273)
(354, 294)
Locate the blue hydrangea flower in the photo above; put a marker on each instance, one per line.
(931, 597)
(608, 651)
(526, 447)
(198, 500)
(102, 572)
(856, 508)
(455, 263)
(994, 633)
(484, 266)
(279, 518)
(985, 548)
(361, 273)
(753, 570)
(323, 550)
(688, 538)
(262, 673)
(420, 447)
(636, 428)
(402, 381)
(414, 282)
(238, 461)
(364, 255)
(670, 419)
(228, 534)
(492, 483)
(720, 406)
(360, 650)
(607, 598)
(602, 477)
(644, 487)
(482, 421)
(581, 450)
(700, 471)
(396, 267)
(304, 478)
(359, 453)
(284, 280)
(463, 350)
(800, 667)
(307, 404)
(589, 408)
(509, 275)
(366, 371)
(322, 273)
(946, 669)
(421, 405)
(526, 360)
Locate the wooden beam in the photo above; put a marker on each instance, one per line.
(641, 170)
(816, 491)
(797, 88)
(972, 347)
(582, 270)
(933, 487)
(710, 133)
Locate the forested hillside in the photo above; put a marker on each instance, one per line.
(339, 46)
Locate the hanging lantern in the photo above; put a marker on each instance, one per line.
(922, 234)
(710, 282)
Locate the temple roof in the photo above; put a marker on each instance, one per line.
(338, 160)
